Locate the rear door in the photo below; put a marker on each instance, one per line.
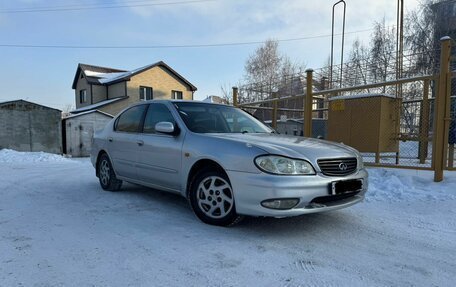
(160, 155)
(123, 144)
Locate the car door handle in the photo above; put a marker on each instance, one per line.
(140, 143)
(110, 139)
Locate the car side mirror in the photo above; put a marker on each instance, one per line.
(166, 128)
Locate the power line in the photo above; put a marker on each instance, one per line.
(78, 5)
(169, 46)
(76, 8)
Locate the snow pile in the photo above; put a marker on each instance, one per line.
(408, 185)
(12, 156)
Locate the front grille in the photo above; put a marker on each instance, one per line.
(337, 166)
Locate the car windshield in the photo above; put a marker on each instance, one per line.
(208, 118)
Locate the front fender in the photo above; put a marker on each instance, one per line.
(229, 154)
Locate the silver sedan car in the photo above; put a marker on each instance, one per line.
(226, 162)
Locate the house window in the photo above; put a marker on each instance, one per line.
(82, 96)
(176, 95)
(145, 93)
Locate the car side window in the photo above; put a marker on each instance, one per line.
(157, 113)
(130, 120)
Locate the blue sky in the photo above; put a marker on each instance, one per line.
(45, 75)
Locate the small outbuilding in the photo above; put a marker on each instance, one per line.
(78, 131)
(367, 122)
(27, 126)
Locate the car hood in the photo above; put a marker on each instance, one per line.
(293, 146)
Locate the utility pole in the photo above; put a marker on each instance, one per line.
(399, 44)
(332, 45)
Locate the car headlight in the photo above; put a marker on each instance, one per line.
(283, 165)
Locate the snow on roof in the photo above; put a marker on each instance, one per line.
(358, 96)
(111, 77)
(95, 106)
(89, 73)
(87, 112)
(106, 77)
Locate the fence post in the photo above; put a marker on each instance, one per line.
(235, 96)
(424, 124)
(308, 104)
(274, 114)
(442, 111)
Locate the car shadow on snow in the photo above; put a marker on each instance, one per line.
(177, 209)
(309, 224)
(152, 197)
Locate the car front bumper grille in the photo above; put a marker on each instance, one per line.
(338, 166)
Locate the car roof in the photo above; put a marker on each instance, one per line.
(168, 101)
(180, 101)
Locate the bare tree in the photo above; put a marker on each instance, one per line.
(419, 40)
(382, 51)
(321, 75)
(357, 66)
(263, 69)
(227, 93)
(67, 109)
(269, 72)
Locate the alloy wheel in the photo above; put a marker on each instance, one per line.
(105, 172)
(215, 197)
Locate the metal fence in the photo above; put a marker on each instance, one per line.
(451, 165)
(392, 122)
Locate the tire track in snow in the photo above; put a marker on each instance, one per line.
(305, 265)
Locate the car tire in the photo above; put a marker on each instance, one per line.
(106, 174)
(212, 200)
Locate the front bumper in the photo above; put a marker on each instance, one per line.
(251, 189)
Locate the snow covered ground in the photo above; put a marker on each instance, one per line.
(58, 228)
